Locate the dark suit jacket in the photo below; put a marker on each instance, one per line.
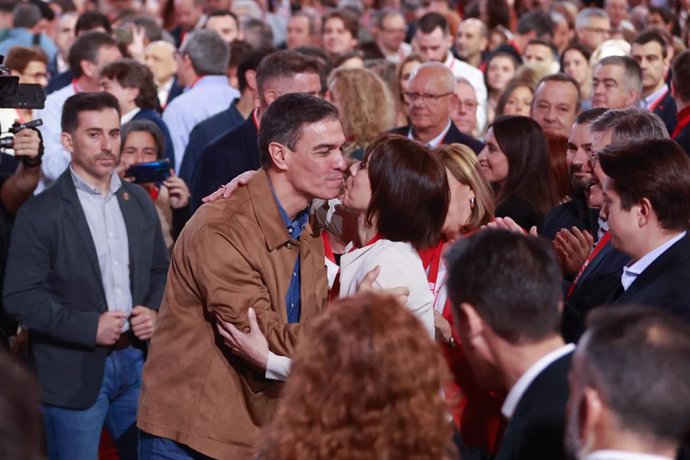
(175, 90)
(599, 280)
(683, 139)
(203, 133)
(225, 158)
(453, 136)
(536, 429)
(664, 283)
(53, 285)
(152, 115)
(573, 213)
(666, 109)
(59, 81)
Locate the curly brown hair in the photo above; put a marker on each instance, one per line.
(365, 384)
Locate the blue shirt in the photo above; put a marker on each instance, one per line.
(20, 36)
(294, 228)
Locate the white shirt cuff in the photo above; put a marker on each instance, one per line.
(278, 367)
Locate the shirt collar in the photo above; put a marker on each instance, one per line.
(622, 455)
(294, 227)
(81, 184)
(211, 80)
(630, 273)
(129, 116)
(518, 390)
(436, 141)
(649, 100)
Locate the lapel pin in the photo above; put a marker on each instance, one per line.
(125, 196)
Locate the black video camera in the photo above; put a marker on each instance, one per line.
(8, 142)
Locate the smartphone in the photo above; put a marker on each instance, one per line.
(155, 171)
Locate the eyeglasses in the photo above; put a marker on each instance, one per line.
(469, 105)
(402, 30)
(411, 98)
(593, 156)
(597, 30)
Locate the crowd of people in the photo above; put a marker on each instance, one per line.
(417, 229)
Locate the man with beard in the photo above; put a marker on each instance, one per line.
(508, 323)
(629, 387)
(576, 212)
(600, 268)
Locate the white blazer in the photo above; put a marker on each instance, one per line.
(400, 267)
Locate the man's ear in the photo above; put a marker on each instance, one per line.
(271, 95)
(591, 413)
(66, 139)
(454, 103)
(88, 68)
(473, 323)
(250, 77)
(645, 212)
(278, 153)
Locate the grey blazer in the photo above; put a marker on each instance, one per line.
(53, 285)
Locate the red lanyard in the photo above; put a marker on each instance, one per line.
(74, 85)
(256, 120)
(683, 121)
(652, 107)
(327, 248)
(597, 249)
(431, 260)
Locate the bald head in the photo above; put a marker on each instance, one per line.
(434, 75)
(159, 56)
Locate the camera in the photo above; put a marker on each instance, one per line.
(8, 142)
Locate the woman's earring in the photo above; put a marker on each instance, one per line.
(471, 202)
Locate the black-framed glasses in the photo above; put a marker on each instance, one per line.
(426, 98)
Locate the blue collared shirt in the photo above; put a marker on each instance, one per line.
(294, 228)
(109, 234)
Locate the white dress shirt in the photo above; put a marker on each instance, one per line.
(518, 390)
(622, 455)
(630, 273)
(433, 143)
(55, 158)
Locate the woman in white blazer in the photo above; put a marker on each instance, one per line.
(400, 191)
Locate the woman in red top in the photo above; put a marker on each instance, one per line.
(476, 412)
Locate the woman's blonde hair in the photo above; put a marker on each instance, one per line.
(366, 104)
(462, 163)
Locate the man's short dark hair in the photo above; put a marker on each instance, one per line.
(285, 119)
(86, 48)
(86, 102)
(350, 21)
(250, 61)
(284, 64)
(565, 78)
(90, 20)
(221, 13)
(655, 169)
(681, 76)
(588, 116)
(535, 21)
(638, 358)
(649, 36)
(547, 43)
(410, 194)
(132, 74)
(26, 15)
(430, 21)
(513, 281)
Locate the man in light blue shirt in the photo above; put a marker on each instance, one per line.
(202, 63)
(29, 26)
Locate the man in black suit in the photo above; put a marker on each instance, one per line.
(649, 50)
(646, 192)
(598, 272)
(505, 291)
(430, 100)
(629, 386)
(680, 88)
(85, 275)
(237, 150)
